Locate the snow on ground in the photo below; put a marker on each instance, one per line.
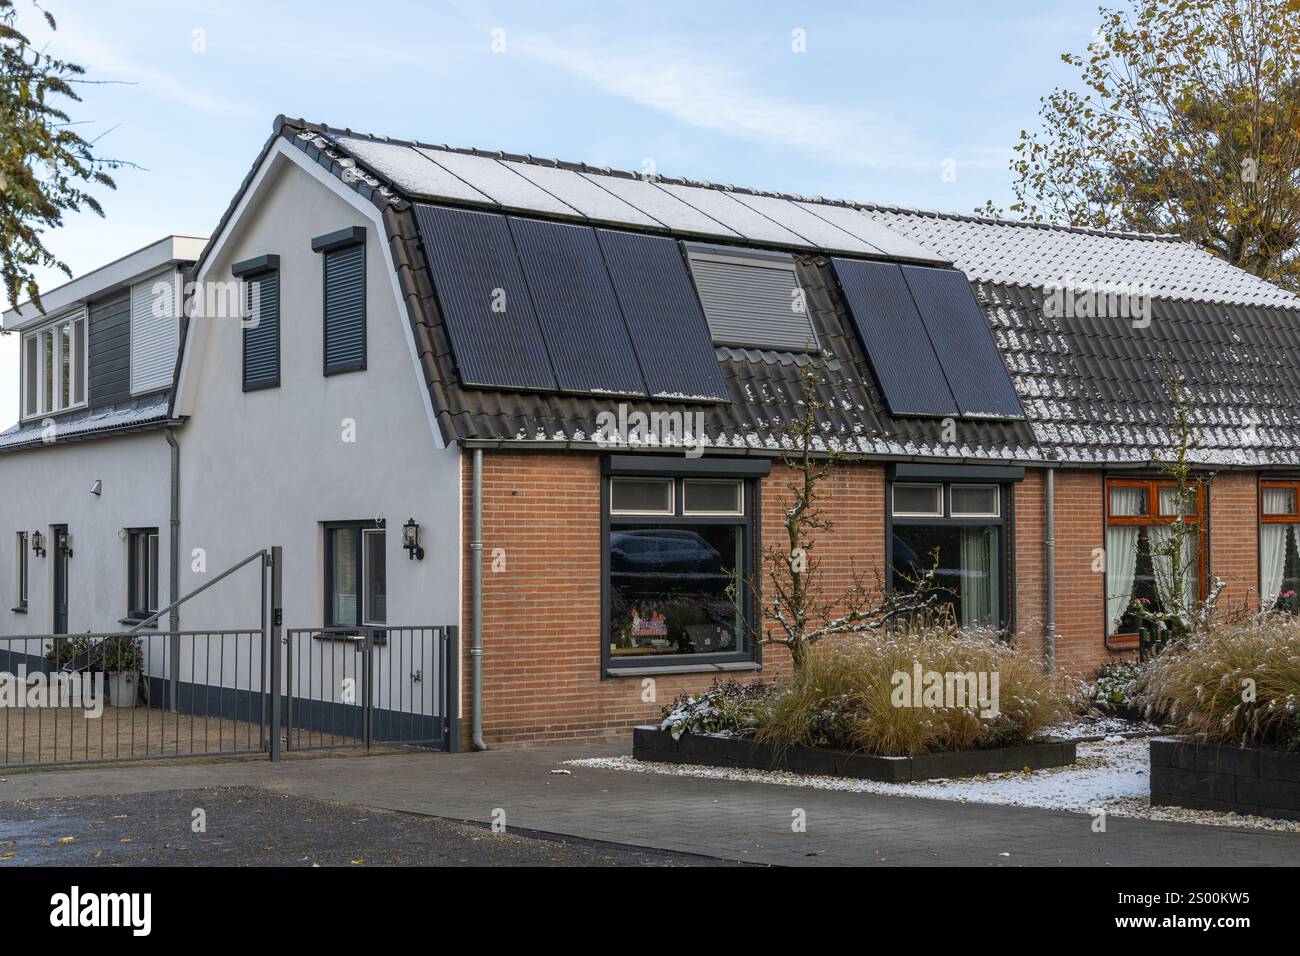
(1113, 776)
(1099, 725)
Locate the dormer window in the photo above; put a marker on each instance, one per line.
(54, 366)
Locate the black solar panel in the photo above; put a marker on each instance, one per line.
(576, 306)
(896, 340)
(963, 341)
(484, 300)
(663, 315)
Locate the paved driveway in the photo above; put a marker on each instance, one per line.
(730, 820)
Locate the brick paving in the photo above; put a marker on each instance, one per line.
(729, 820)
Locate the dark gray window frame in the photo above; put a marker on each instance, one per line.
(328, 244)
(24, 573)
(361, 527)
(1004, 522)
(136, 614)
(751, 656)
(248, 271)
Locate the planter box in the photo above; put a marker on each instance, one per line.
(1204, 776)
(653, 744)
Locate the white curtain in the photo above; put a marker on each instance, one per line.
(1272, 561)
(1121, 553)
(1162, 564)
(979, 590)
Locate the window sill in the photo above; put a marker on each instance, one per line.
(19, 610)
(136, 621)
(683, 668)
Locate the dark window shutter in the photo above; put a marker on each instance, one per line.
(345, 309)
(262, 342)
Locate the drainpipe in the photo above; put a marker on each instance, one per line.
(174, 571)
(476, 603)
(1049, 541)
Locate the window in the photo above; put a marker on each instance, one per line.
(955, 529)
(54, 367)
(356, 588)
(155, 332)
(752, 299)
(142, 573)
(261, 278)
(1279, 545)
(1140, 570)
(678, 558)
(20, 563)
(343, 262)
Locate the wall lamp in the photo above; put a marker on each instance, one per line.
(38, 544)
(411, 540)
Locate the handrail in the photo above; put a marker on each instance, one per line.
(199, 590)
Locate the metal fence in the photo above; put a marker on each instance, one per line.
(69, 698)
(358, 687)
(74, 698)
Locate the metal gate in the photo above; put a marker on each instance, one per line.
(364, 687)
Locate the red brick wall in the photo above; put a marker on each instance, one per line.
(1234, 538)
(541, 615)
(542, 618)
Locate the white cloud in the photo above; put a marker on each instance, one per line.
(720, 97)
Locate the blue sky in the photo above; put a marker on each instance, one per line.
(909, 103)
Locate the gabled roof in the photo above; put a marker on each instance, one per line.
(1090, 387)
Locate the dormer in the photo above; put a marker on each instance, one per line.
(106, 337)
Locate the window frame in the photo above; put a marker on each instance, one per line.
(151, 555)
(931, 515)
(1292, 519)
(1154, 517)
(344, 240)
(22, 572)
(749, 653)
(247, 274)
(362, 563)
(674, 498)
(1002, 521)
(76, 363)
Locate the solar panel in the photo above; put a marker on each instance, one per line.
(963, 341)
(816, 230)
(871, 232)
(576, 307)
(409, 170)
(736, 216)
(663, 315)
(485, 304)
(895, 338)
(489, 177)
(582, 194)
(663, 206)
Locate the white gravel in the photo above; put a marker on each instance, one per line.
(1113, 777)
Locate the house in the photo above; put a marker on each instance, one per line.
(547, 403)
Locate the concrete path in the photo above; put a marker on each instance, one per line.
(729, 820)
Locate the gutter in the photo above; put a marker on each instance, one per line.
(174, 570)
(476, 604)
(1049, 548)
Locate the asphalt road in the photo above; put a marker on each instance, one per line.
(251, 826)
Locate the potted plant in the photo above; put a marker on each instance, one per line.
(123, 660)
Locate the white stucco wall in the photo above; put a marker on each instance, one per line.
(50, 485)
(269, 467)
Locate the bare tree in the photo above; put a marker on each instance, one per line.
(796, 610)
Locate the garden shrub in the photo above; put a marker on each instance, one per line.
(727, 708)
(844, 696)
(1234, 683)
